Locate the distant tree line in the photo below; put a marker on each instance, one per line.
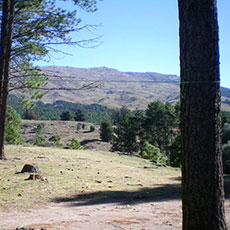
(58, 110)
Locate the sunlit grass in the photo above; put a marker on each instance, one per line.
(71, 172)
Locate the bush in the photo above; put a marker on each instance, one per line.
(80, 115)
(151, 152)
(13, 127)
(74, 144)
(56, 140)
(106, 131)
(226, 157)
(66, 116)
(92, 128)
(40, 139)
(39, 129)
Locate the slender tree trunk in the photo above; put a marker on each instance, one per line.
(202, 175)
(6, 39)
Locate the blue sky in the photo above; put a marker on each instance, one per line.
(139, 36)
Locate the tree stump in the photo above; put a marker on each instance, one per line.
(30, 169)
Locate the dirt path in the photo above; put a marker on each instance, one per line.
(163, 215)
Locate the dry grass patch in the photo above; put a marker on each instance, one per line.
(76, 172)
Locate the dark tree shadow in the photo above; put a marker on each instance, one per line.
(89, 141)
(144, 195)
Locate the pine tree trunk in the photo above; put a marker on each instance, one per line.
(8, 18)
(202, 175)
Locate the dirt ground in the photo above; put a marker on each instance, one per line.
(74, 215)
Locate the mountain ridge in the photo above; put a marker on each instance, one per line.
(114, 88)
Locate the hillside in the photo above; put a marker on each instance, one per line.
(115, 88)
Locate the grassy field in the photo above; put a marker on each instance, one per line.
(76, 174)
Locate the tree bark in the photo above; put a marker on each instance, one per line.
(202, 175)
(6, 39)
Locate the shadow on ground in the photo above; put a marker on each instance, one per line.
(89, 141)
(144, 195)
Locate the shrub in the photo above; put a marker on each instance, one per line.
(106, 131)
(74, 144)
(151, 152)
(39, 129)
(13, 127)
(66, 116)
(92, 128)
(56, 140)
(80, 115)
(40, 139)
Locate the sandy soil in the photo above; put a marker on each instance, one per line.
(162, 215)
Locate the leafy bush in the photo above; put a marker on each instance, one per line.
(56, 140)
(226, 157)
(74, 144)
(66, 116)
(92, 128)
(80, 115)
(106, 131)
(40, 139)
(39, 129)
(151, 152)
(13, 127)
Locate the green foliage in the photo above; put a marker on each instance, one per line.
(151, 152)
(106, 131)
(160, 121)
(226, 133)
(40, 139)
(92, 128)
(56, 140)
(175, 152)
(225, 117)
(74, 144)
(226, 157)
(80, 115)
(13, 127)
(125, 138)
(95, 113)
(119, 114)
(39, 129)
(66, 116)
(156, 126)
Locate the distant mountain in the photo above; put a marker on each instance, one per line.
(115, 88)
